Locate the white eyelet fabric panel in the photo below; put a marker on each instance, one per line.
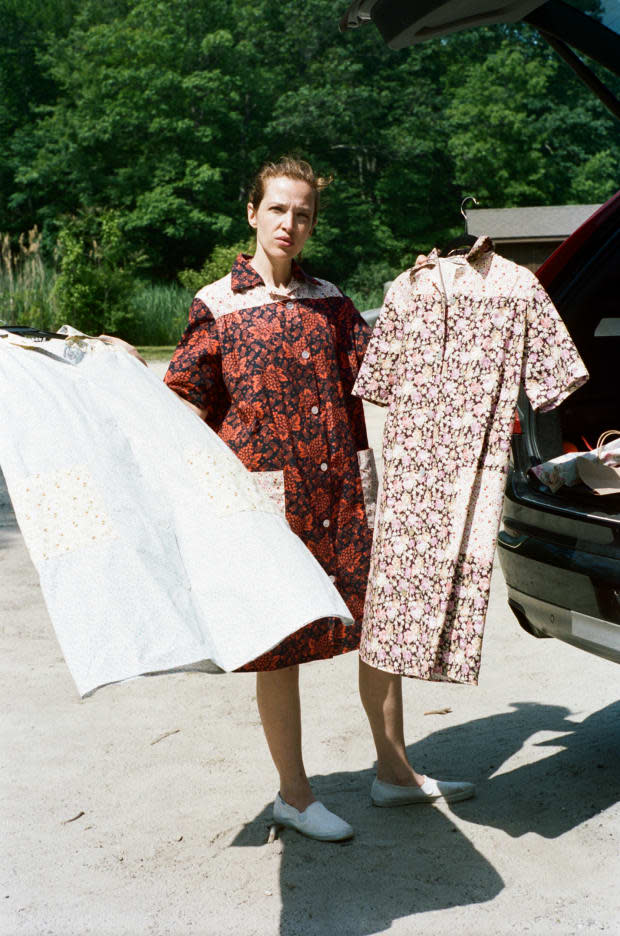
(230, 487)
(61, 511)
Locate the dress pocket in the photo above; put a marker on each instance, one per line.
(230, 488)
(368, 475)
(272, 484)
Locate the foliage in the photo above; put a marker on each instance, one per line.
(217, 264)
(94, 288)
(157, 114)
(537, 144)
(25, 283)
(367, 286)
(159, 314)
(156, 352)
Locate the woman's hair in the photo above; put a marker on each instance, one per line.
(290, 168)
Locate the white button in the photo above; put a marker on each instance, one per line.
(325, 523)
(332, 578)
(323, 466)
(314, 410)
(305, 355)
(290, 305)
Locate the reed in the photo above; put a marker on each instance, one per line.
(25, 283)
(159, 310)
(159, 313)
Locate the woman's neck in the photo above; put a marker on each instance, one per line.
(274, 273)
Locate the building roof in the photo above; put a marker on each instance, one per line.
(610, 10)
(554, 222)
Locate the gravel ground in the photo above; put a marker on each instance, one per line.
(145, 808)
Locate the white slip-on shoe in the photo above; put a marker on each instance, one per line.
(315, 822)
(431, 791)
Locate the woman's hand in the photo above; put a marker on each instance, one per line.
(124, 345)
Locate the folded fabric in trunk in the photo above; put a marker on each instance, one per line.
(598, 469)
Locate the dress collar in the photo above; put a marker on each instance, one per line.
(476, 255)
(483, 246)
(243, 275)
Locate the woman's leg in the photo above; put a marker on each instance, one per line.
(382, 698)
(277, 695)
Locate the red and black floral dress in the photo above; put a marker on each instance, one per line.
(274, 372)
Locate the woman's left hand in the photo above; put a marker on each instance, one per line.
(124, 345)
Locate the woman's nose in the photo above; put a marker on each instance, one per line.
(287, 221)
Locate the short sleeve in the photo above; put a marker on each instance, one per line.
(361, 336)
(552, 367)
(195, 371)
(354, 335)
(377, 373)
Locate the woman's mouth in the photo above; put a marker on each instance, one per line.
(284, 241)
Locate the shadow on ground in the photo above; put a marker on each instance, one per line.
(415, 859)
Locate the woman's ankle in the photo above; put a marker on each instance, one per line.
(297, 794)
(399, 775)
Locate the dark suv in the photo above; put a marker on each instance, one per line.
(560, 553)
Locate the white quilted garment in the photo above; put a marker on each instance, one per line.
(156, 549)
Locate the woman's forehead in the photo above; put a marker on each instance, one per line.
(284, 189)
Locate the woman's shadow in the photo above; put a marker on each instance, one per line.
(415, 859)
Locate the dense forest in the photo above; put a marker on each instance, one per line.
(130, 130)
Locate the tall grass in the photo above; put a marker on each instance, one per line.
(158, 310)
(159, 313)
(26, 284)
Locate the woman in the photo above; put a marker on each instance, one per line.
(268, 360)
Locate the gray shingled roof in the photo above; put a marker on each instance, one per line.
(611, 14)
(555, 221)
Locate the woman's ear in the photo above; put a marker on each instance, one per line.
(252, 216)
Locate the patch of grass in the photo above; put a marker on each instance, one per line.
(156, 352)
(159, 314)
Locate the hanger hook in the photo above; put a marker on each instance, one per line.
(464, 202)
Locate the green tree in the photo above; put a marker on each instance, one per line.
(161, 112)
(25, 86)
(96, 282)
(523, 130)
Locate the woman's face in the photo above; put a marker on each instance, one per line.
(283, 220)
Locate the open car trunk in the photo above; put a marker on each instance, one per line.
(586, 290)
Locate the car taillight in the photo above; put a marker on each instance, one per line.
(516, 426)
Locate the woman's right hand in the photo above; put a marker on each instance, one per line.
(123, 345)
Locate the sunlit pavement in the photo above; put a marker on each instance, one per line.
(144, 810)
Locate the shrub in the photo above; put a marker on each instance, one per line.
(95, 286)
(217, 264)
(366, 285)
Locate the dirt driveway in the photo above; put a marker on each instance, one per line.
(144, 809)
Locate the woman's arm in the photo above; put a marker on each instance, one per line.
(120, 343)
(200, 412)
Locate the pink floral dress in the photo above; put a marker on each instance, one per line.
(454, 341)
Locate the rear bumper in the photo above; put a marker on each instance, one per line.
(557, 590)
(593, 634)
